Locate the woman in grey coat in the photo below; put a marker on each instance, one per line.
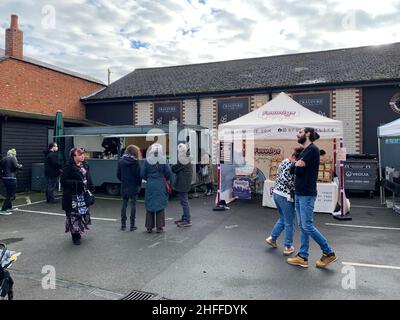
(157, 173)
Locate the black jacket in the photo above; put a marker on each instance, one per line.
(9, 167)
(72, 183)
(183, 180)
(305, 182)
(52, 167)
(129, 174)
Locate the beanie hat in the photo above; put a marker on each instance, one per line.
(12, 152)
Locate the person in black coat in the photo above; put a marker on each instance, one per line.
(184, 171)
(75, 179)
(52, 171)
(129, 174)
(9, 166)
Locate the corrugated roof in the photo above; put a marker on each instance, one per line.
(52, 67)
(361, 64)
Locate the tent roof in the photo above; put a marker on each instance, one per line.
(281, 118)
(390, 129)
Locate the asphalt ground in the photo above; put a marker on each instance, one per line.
(222, 256)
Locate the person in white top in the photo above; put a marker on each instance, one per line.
(283, 193)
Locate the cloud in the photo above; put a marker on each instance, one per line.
(90, 36)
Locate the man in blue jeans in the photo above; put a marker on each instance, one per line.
(306, 174)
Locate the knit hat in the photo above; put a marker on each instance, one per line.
(12, 152)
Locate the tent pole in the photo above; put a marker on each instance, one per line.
(218, 206)
(342, 215)
(381, 190)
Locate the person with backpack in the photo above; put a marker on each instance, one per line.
(9, 166)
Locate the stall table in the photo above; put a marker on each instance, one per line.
(328, 193)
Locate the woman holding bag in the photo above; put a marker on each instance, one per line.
(76, 180)
(157, 174)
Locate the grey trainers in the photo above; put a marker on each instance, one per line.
(271, 242)
(184, 224)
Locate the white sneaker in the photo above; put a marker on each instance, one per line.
(6, 213)
(271, 242)
(288, 251)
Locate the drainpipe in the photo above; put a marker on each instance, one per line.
(198, 110)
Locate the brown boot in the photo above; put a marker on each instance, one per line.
(325, 260)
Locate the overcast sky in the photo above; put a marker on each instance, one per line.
(90, 36)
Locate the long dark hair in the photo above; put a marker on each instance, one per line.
(296, 152)
(313, 134)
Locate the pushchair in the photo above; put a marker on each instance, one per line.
(7, 258)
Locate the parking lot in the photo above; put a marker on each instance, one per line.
(222, 256)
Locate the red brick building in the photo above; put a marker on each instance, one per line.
(31, 92)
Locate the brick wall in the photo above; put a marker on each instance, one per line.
(260, 100)
(189, 112)
(29, 88)
(144, 113)
(347, 106)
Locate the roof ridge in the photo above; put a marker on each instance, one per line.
(273, 56)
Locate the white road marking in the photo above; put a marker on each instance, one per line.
(61, 215)
(10, 232)
(232, 226)
(369, 207)
(364, 227)
(28, 203)
(154, 244)
(115, 199)
(379, 266)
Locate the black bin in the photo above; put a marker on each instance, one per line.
(361, 173)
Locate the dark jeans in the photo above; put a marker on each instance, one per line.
(52, 184)
(11, 189)
(125, 200)
(209, 187)
(183, 196)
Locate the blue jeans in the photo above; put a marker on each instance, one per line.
(285, 221)
(183, 197)
(125, 200)
(305, 213)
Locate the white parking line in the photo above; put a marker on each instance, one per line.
(115, 199)
(368, 207)
(60, 214)
(28, 203)
(370, 265)
(364, 227)
(154, 244)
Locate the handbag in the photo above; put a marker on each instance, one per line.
(89, 198)
(167, 185)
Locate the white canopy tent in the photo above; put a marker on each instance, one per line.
(391, 129)
(279, 119)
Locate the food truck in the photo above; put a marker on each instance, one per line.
(105, 145)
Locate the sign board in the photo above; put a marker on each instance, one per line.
(164, 112)
(317, 102)
(232, 108)
(360, 174)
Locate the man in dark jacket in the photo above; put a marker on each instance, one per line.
(306, 175)
(9, 166)
(129, 175)
(52, 171)
(184, 171)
